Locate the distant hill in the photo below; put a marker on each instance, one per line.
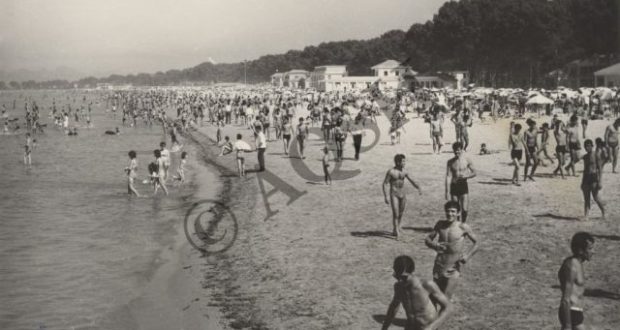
(500, 42)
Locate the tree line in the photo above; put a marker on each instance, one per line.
(502, 43)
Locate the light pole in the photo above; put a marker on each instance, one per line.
(245, 72)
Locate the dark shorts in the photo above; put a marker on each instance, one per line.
(589, 181)
(560, 149)
(531, 150)
(574, 146)
(576, 318)
(518, 154)
(459, 187)
(584, 122)
(287, 137)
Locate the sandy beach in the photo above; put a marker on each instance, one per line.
(311, 256)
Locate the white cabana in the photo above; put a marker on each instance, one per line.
(539, 99)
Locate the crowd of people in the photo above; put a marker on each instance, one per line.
(270, 115)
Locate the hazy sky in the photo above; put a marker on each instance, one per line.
(129, 36)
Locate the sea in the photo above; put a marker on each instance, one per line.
(75, 248)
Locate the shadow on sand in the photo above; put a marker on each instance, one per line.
(396, 321)
(608, 237)
(420, 229)
(494, 183)
(555, 216)
(373, 233)
(597, 293)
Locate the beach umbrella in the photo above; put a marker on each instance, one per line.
(539, 99)
(604, 93)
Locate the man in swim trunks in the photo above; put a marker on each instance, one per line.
(459, 169)
(592, 175)
(450, 235)
(611, 140)
(530, 139)
(574, 143)
(395, 177)
(572, 282)
(559, 132)
(417, 297)
(516, 145)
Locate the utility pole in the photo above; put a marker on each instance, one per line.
(245, 72)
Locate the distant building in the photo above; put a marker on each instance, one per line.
(296, 79)
(387, 75)
(277, 79)
(580, 73)
(450, 79)
(608, 77)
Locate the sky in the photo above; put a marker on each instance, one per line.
(101, 37)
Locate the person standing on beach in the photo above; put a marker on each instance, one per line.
(158, 173)
(302, 134)
(287, 132)
(357, 132)
(611, 140)
(458, 170)
(261, 147)
(516, 145)
(325, 163)
(131, 173)
(574, 143)
(395, 177)
(544, 144)
(450, 234)
(591, 182)
(572, 282)
(418, 298)
(559, 132)
(165, 156)
(240, 147)
(530, 139)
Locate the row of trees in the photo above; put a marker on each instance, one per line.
(500, 42)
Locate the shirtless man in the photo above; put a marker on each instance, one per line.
(436, 131)
(572, 282)
(530, 139)
(417, 298)
(395, 177)
(591, 184)
(559, 132)
(516, 145)
(574, 143)
(450, 248)
(459, 169)
(611, 140)
(165, 157)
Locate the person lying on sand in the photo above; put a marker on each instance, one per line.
(417, 297)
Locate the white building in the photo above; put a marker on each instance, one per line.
(387, 75)
(608, 77)
(296, 79)
(277, 79)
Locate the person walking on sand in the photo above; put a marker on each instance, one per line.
(357, 132)
(240, 147)
(544, 144)
(436, 131)
(395, 177)
(591, 183)
(611, 140)
(516, 145)
(450, 247)
(418, 298)
(157, 172)
(131, 173)
(458, 170)
(572, 282)
(302, 134)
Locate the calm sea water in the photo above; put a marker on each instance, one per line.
(73, 246)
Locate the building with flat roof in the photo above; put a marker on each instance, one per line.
(296, 79)
(277, 79)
